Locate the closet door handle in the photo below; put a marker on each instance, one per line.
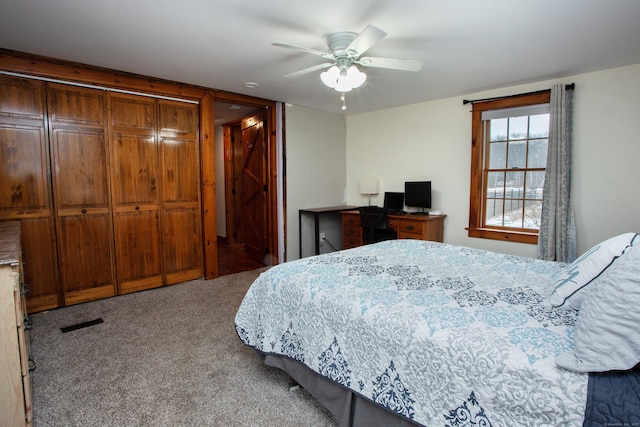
(84, 211)
(137, 208)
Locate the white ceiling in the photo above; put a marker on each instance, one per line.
(466, 45)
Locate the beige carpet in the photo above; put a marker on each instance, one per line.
(163, 357)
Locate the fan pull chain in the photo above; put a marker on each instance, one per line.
(344, 105)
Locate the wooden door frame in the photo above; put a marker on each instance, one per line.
(270, 118)
(71, 72)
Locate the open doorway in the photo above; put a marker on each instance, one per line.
(243, 204)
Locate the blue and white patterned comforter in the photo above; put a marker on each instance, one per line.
(440, 334)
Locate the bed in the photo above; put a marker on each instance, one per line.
(409, 332)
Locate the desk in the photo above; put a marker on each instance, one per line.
(421, 227)
(316, 212)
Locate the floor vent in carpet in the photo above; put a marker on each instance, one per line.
(81, 325)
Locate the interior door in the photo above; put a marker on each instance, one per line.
(134, 172)
(180, 197)
(81, 192)
(25, 190)
(253, 200)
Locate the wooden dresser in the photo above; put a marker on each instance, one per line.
(420, 227)
(15, 362)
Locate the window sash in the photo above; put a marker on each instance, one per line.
(508, 216)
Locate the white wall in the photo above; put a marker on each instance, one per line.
(432, 140)
(606, 174)
(315, 149)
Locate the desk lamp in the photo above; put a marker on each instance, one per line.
(369, 187)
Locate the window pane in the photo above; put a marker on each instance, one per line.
(513, 213)
(495, 184)
(538, 153)
(497, 155)
(498, 130)
(493, 213)
(535, 184)
(517, 154)
(532, 214)
(518, 127)
(515, 182)
(539, 126)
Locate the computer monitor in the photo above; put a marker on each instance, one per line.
(417, 194)
(393, 201)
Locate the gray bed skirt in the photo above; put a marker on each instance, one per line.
(348, 408)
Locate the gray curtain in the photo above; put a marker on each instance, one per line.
(557, 235)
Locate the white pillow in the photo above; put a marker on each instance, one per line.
(571, 284)
(608, 328)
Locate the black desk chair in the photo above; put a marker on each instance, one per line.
(373, 220)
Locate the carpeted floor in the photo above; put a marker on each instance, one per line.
(163, 357)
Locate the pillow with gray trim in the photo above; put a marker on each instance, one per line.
(608, 327)
(570, 285)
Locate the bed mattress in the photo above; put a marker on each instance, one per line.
(440, 335)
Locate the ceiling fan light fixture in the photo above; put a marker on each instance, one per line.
(344, 85)
(343, 80)
(356, 77)
(330, 77)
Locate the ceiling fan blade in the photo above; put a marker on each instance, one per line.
(310, 69)
(394, 64)
(363, 41)
(325, 55)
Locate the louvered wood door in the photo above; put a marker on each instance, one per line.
(25, 192)
(136, 192)
(181, 218)
(81, 192)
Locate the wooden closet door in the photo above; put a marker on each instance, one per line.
(181, 217)
(81, 192)
(135, 192)
(25, 192)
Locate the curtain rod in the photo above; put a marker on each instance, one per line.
(467, 101)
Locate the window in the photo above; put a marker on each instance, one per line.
(508, 160)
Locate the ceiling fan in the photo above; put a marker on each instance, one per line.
(345, 52)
